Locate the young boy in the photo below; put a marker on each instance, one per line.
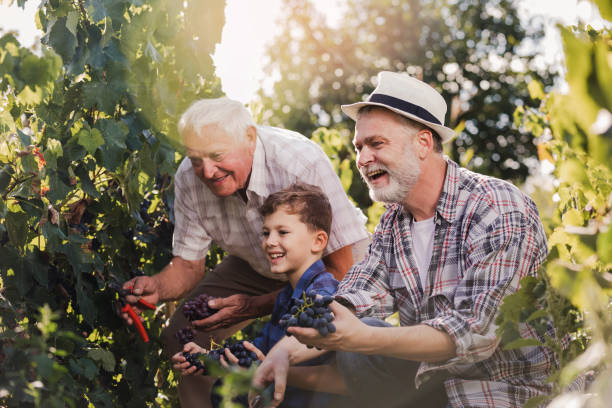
(297, 221)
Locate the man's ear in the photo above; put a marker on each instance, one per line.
(424, 143)
(320, 241)
(251, 134)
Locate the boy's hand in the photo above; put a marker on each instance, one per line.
(181, 364)
(233, 360)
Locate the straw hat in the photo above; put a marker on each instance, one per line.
(409, 97)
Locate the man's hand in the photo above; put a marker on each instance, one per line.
(230, 311)
(273, 369)
(235, 309)
(349, 331)
(141, 287)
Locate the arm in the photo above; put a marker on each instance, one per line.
(339, 262)
(275, 368)
(498, 254)
(417, 343)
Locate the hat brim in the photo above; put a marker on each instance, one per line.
(446, 134)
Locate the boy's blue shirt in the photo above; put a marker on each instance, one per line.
(315, 278)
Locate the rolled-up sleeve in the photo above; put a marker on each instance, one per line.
(499, 254)
(190, 240)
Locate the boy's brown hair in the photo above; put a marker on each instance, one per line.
(305, 200)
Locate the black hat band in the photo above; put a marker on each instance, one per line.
(404, 106)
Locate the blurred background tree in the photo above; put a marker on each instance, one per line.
(476, 53)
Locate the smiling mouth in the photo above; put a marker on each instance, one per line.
(219, 179)
(275, 255)
(375, 174)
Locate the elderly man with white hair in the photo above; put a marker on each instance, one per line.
(451, 245)
(231, 166)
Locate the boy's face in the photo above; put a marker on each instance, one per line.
(290, 246)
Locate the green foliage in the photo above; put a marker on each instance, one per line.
(574, 132)
(87, 156)
(469, 50)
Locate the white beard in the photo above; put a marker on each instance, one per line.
(402, 177)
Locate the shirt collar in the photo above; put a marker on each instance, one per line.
(307, 277)
(447, 204)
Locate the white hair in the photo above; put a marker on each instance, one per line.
(229, 115)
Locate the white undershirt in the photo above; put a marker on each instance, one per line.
(422, 242)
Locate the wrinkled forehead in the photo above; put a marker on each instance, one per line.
(209, 139)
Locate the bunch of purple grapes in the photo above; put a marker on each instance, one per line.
(311, 310)
(197, 308)
(193, 360)
(244, 356)
(185, 335)
(194, 309)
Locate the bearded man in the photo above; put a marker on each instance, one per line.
(451, 245)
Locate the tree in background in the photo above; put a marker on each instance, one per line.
(472, 51)
(86, 166)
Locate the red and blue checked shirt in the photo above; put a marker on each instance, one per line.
(488, 236)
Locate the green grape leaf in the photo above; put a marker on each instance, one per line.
(82, 172)
(103, 356)
(7, 124)
(535, 90)
(86, 305)
(62, 41)
(52, 152)
(90, 139)
(71, 21)
(605, 8)
(44, 365)
(100, 95)
(573, 217)
(518, 343)
(115, 134)
(17, 228)
(58, 189)
(604, 245)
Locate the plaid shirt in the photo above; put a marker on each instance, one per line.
(487, 237)
(281, 158)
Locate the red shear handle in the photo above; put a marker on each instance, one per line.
(146, 304)
(141, 330)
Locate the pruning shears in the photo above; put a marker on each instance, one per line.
(117, 287)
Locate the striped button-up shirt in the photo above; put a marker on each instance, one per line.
(281, 158)
(487, 237)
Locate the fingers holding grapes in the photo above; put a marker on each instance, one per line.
(346, 328)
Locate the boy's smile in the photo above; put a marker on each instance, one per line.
(290, 246)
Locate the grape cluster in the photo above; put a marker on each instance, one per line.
(193, 360)
(185, 335)
(244, 356)
(194, 309)
(311, 310)
(197, 308)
